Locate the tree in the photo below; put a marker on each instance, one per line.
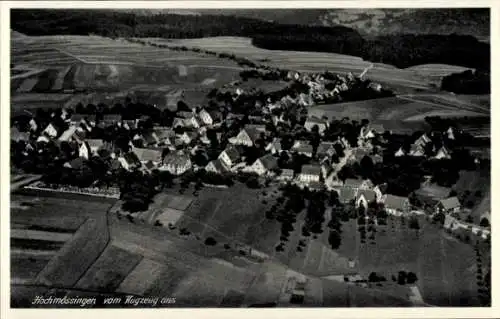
(484, 222)
(413, 223)
(438, 218)
(210, 241)
(411, 278)
(402, 277)
(334, 239)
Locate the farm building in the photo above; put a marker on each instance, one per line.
(400, 152)
(310, 173)
(145, 155)
(176, 163)
(230, 156)
(364, 197)
(263, 165)
(396, 205)
(246, 137)
(448, 205)
(216, 166)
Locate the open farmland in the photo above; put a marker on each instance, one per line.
(96, 63)
(398, 111)
(417, 79)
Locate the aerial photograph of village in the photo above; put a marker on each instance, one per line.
(218, 158)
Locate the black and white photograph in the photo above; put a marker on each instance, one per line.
(249, 157)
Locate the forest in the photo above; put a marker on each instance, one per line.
(402, 50)
(467, 82)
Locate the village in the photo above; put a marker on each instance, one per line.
(263, 137)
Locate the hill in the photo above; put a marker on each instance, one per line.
(401, 50)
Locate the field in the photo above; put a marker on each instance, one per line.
(96, 63)
(403, 111)
(418, 78)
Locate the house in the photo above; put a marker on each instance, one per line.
(145, 155)
(179, 122)
(417, 150)
(396, 205)
(130, 124)
(33, 125)
(310, 173)
(353, 183)
(210, 117)
(246, 137)
(16, 135)
(380, 190)
(448, 205)
(422, 140)
(286, 175)
(69, 135)
(450, 133)
(76, 163)
(111, 119)
(313, 121)
(51, 130)
(76, 119)
(325, 150)
(187, 137)
(364, 197)
(306, 150)
(263, 165)
(230, 156)
(443, 153)
(346, 194)
(400, 152)
(275, 146)
(163, 136)
(177, 163)
(90, 147)
(216, 166)
(129, 161)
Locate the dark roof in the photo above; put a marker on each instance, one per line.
(383, 188)
(369, 195)
(232, 153)
(269, 161)
(146, 154)
(287, 172)
(311, 170)
(77, 163)
(95, 142)
(450, 203)
(351, 182)
(326, 148)
(346, 194)
(304, 149)
(77, 117)
(219, 166)
(131, 158)
(215, 115)
(395, 202)
(176, 159)
(112, 118)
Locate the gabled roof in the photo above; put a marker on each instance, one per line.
(163, 133)
(276, 144)
(311, 170)
(316, 120)
(218, 165)
(146, 154)
(382, 188)
(176, 159)
(450, 203)
(304, 149)
(130, 158)
(232, 153)
(395, 202)
(185, 114)
(268, 161)
(77, 117)
(369, 195)
(16, 135)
